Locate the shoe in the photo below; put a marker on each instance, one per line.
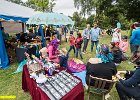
(107, 96)
(83, 52)
(130, 62)
(86, 86)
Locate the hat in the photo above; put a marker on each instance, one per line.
(124, 37)
(94, 60)
(137, 24)
(105, 48)
(115, 29)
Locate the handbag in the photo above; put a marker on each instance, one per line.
(75, 67)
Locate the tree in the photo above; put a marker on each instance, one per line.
(86, 6)
(131, 8)
(41, 5)
(91, 19)
(16, 1)
(77, 18)
(51, 5)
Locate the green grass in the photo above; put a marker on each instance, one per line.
(11, 84)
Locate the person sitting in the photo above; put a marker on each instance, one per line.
(117, 53)
(124, 44)
(31, 35)
(53, 50)
(104, 67)
(130, 87)
(23, 37)
(64, 58)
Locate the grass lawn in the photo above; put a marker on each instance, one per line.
(11, 84)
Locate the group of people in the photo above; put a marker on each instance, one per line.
(88, 33)
(108, 57)
(105, 65)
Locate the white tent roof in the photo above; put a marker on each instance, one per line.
(12, 9)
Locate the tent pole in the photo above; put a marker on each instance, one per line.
(0, 24)
(23, 27)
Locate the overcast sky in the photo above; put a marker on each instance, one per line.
(64, 6)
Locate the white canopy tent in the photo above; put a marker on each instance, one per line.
(12, 10)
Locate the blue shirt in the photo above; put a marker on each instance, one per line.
(94, 34)
(135, 38)
(86, 33)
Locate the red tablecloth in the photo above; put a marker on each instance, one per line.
(30, 85)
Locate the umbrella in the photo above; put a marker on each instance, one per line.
(50, 19)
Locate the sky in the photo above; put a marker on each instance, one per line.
(64, 6)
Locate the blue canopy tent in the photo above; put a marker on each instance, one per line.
(12, 12)
(4, 62)
(18, 19)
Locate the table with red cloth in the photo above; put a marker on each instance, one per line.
(29, 84)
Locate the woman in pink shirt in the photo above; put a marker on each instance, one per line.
(53, 50)
(124, 44)
(124, 47)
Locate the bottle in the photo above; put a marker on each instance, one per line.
(37, 60)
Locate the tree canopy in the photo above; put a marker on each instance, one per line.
(129, 8)
(42, 5)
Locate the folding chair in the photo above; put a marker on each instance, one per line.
(99, 86)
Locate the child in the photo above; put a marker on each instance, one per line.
(116, 38)
(124, 44)
(78, 43)
(72, 41)
(124, 47)
(64, 58)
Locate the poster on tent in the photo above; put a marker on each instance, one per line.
(12, 27)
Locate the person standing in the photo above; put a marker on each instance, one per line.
(86, 37)
(94, 35)
(72, 41)
(78, 43)
(48, 33)
(135, 38)
(116, 37)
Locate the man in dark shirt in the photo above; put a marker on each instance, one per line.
(130, 87)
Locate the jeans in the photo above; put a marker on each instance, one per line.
(92, 44)
(71, 47)
(85, 44)
(78, 50)
(134, 48)
(127, 92)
